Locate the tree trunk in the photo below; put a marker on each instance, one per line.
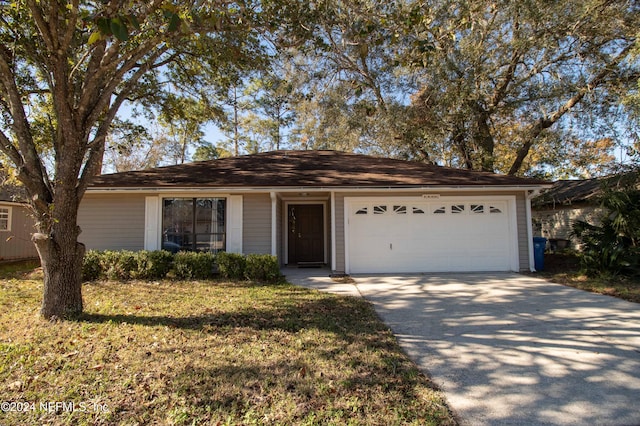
(61, 256)
(62, 267)
(484, 139)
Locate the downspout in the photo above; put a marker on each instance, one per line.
(274, 223)
(528, 196)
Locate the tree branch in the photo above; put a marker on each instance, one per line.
(96, 147)
(71, 24)
(545, 122)
(41, 24)
(28, 157)
(108, 68)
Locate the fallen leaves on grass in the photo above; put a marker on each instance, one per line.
(626, 288)
(209, 353)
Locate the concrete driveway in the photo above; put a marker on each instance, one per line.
(509, 349)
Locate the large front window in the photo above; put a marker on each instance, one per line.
(193, 224)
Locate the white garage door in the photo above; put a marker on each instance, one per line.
(434, 235)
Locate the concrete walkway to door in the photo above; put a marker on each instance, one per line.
(509, 349)
(319, 279)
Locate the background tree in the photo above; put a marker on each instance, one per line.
(494, 86)
(351, 86)
(208, 151)
(181, 120)
(129, 146)
(496, 69)
(234, 103)
(76, 63)
(271, 106)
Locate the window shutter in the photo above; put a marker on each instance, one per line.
(152, 223)
(234, 224)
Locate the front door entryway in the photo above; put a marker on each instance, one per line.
(306, 233)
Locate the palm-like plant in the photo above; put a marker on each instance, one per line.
(613, 246)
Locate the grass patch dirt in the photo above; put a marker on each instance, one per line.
(564, 268)
(205, 352)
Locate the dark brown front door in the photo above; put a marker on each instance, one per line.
(306, 233)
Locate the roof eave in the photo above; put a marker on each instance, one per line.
(285, 189)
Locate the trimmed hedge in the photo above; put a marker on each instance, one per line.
(262, 267)
(123, 265)
(91, 266)
(193, 265)
(231, 265)
(155, 265)
(255, 267)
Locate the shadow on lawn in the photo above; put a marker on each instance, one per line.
(343, 316)
(360, 396)
(370, 376)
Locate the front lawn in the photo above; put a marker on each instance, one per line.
(205, 352)
(564, 268)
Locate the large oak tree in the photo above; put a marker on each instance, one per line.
(65, 70)
(494, 85)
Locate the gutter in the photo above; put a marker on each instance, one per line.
(355, 189)
(15, 203)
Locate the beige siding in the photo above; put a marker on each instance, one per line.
(523, 239)
(112, 222)
(521, 220)
(19, 245)
(117, 222)
(106, 226)
(256, 226)
(558, 222)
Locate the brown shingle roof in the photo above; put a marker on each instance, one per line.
(570, 191)
(13, 193)
(567, 192)
(305, 169)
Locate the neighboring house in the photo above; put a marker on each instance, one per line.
(16, 226)
(355, 213)
(555, 210)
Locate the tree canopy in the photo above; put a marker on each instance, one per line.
(66, 68)
(500, 86)
(547, 88)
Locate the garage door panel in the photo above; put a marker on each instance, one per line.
(436, 236)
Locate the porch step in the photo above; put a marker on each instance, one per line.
(310, 264)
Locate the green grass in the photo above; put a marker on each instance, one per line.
(206, 352)
(18, 268)
(564, 268)
(626, 288)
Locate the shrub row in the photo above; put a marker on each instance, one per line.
(256, 267)
(124, 265)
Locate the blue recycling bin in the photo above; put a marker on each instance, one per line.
(539, 244)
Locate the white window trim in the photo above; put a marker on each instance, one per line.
(9, 217)
(233, 225)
